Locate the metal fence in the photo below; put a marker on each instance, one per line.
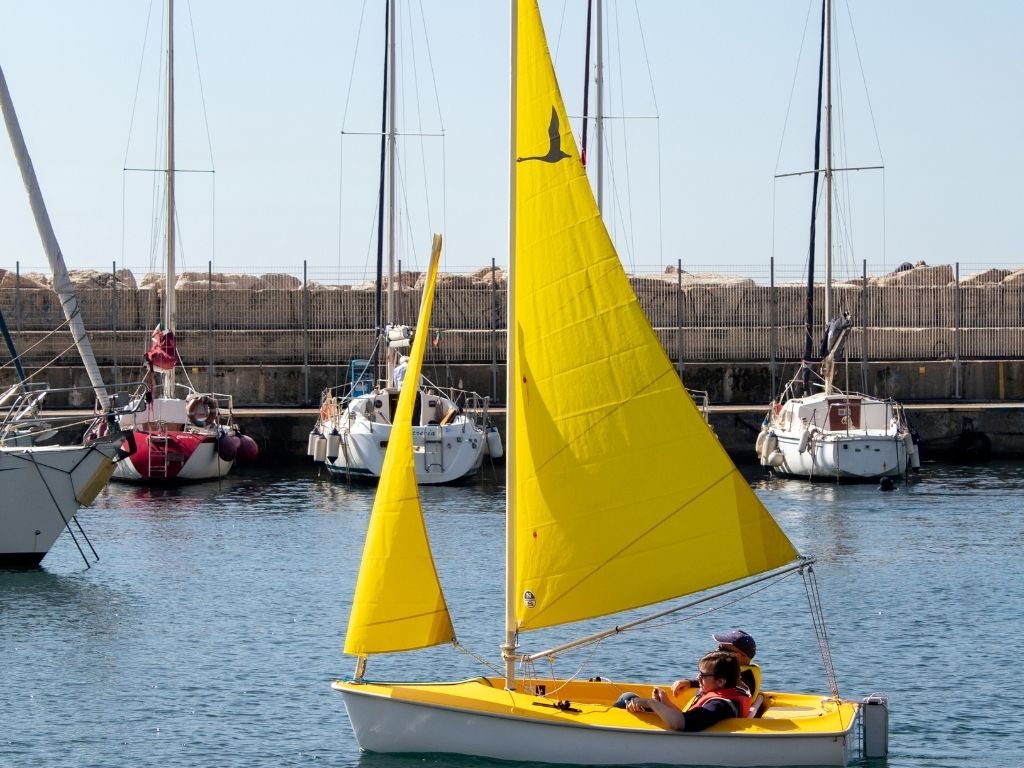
(325, 317)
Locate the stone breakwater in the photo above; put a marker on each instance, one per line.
(918, 332)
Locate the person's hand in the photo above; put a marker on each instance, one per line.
(636, 704)
(680, 685)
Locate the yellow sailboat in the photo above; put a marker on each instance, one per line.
(596, 489)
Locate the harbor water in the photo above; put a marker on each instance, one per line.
(211, 627)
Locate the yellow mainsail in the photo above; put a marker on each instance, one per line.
(398, 603)
(624, 497)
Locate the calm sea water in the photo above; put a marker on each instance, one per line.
(210, 629)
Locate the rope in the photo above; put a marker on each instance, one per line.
(818, 617)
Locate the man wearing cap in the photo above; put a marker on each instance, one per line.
(743, 647)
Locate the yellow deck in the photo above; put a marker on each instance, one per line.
(590, 705)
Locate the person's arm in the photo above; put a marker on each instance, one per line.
(681, 685)
(659, 704)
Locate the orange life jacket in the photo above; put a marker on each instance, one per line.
(736, 695)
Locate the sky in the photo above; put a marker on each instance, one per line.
(707, 102)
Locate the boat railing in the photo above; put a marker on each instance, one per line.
(225, 403)
(24, 423)
(702, 400)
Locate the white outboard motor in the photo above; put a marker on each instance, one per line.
(874, 725)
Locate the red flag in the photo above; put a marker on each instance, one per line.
(437, 338)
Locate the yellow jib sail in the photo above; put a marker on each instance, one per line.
(624, 497)
(398, 603)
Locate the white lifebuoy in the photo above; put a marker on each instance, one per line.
(202, 411)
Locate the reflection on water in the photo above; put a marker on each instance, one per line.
(211, 628)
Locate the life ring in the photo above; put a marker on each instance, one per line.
(202, 411)
(327, 409)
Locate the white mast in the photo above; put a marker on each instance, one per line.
(828, 174)
(391, 86)
(170, 274)
(599, 105)
(61, 282)
(508, 648)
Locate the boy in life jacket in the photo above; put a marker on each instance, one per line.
(720, 696)
(740, 644)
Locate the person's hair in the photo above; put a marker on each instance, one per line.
(724, 665)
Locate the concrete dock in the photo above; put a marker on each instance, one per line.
(958, 432)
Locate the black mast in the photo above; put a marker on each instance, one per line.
(586, 87)
(14, 352)
(809, 321)
(378, 296)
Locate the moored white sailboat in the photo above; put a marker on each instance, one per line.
(42, 487)
(450, 427)
(181, 434)
(814, 430)
(594, 496)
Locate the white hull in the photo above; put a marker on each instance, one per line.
(843, 457)
(837, 437)
(42, 489)
(386, 725)
(354, 444)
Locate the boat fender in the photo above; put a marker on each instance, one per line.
(759, 443)
(805, 439)
(333, 445)
(320, 449)
(776, 458)
(248, 450)
(202, 411)
(311, 443)
(771, 443)
(227, 446)
(494, 448)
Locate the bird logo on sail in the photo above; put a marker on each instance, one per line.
(555, 152)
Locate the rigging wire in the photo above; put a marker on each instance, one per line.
(818, 618)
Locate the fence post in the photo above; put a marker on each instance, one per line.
(113, 323)
(17, 296)
(956, 336)
(864, 327)
(679, 317)
(210, 346)
(494, 332)
(772, 331)
(305, 333)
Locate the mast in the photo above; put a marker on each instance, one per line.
(586, 86)
(508, 648)
(828, 161)
(816, 164)
(170, 276)
(61, 282)
(391, 181)
(599, 104)
(828, 176)
(378, 297)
